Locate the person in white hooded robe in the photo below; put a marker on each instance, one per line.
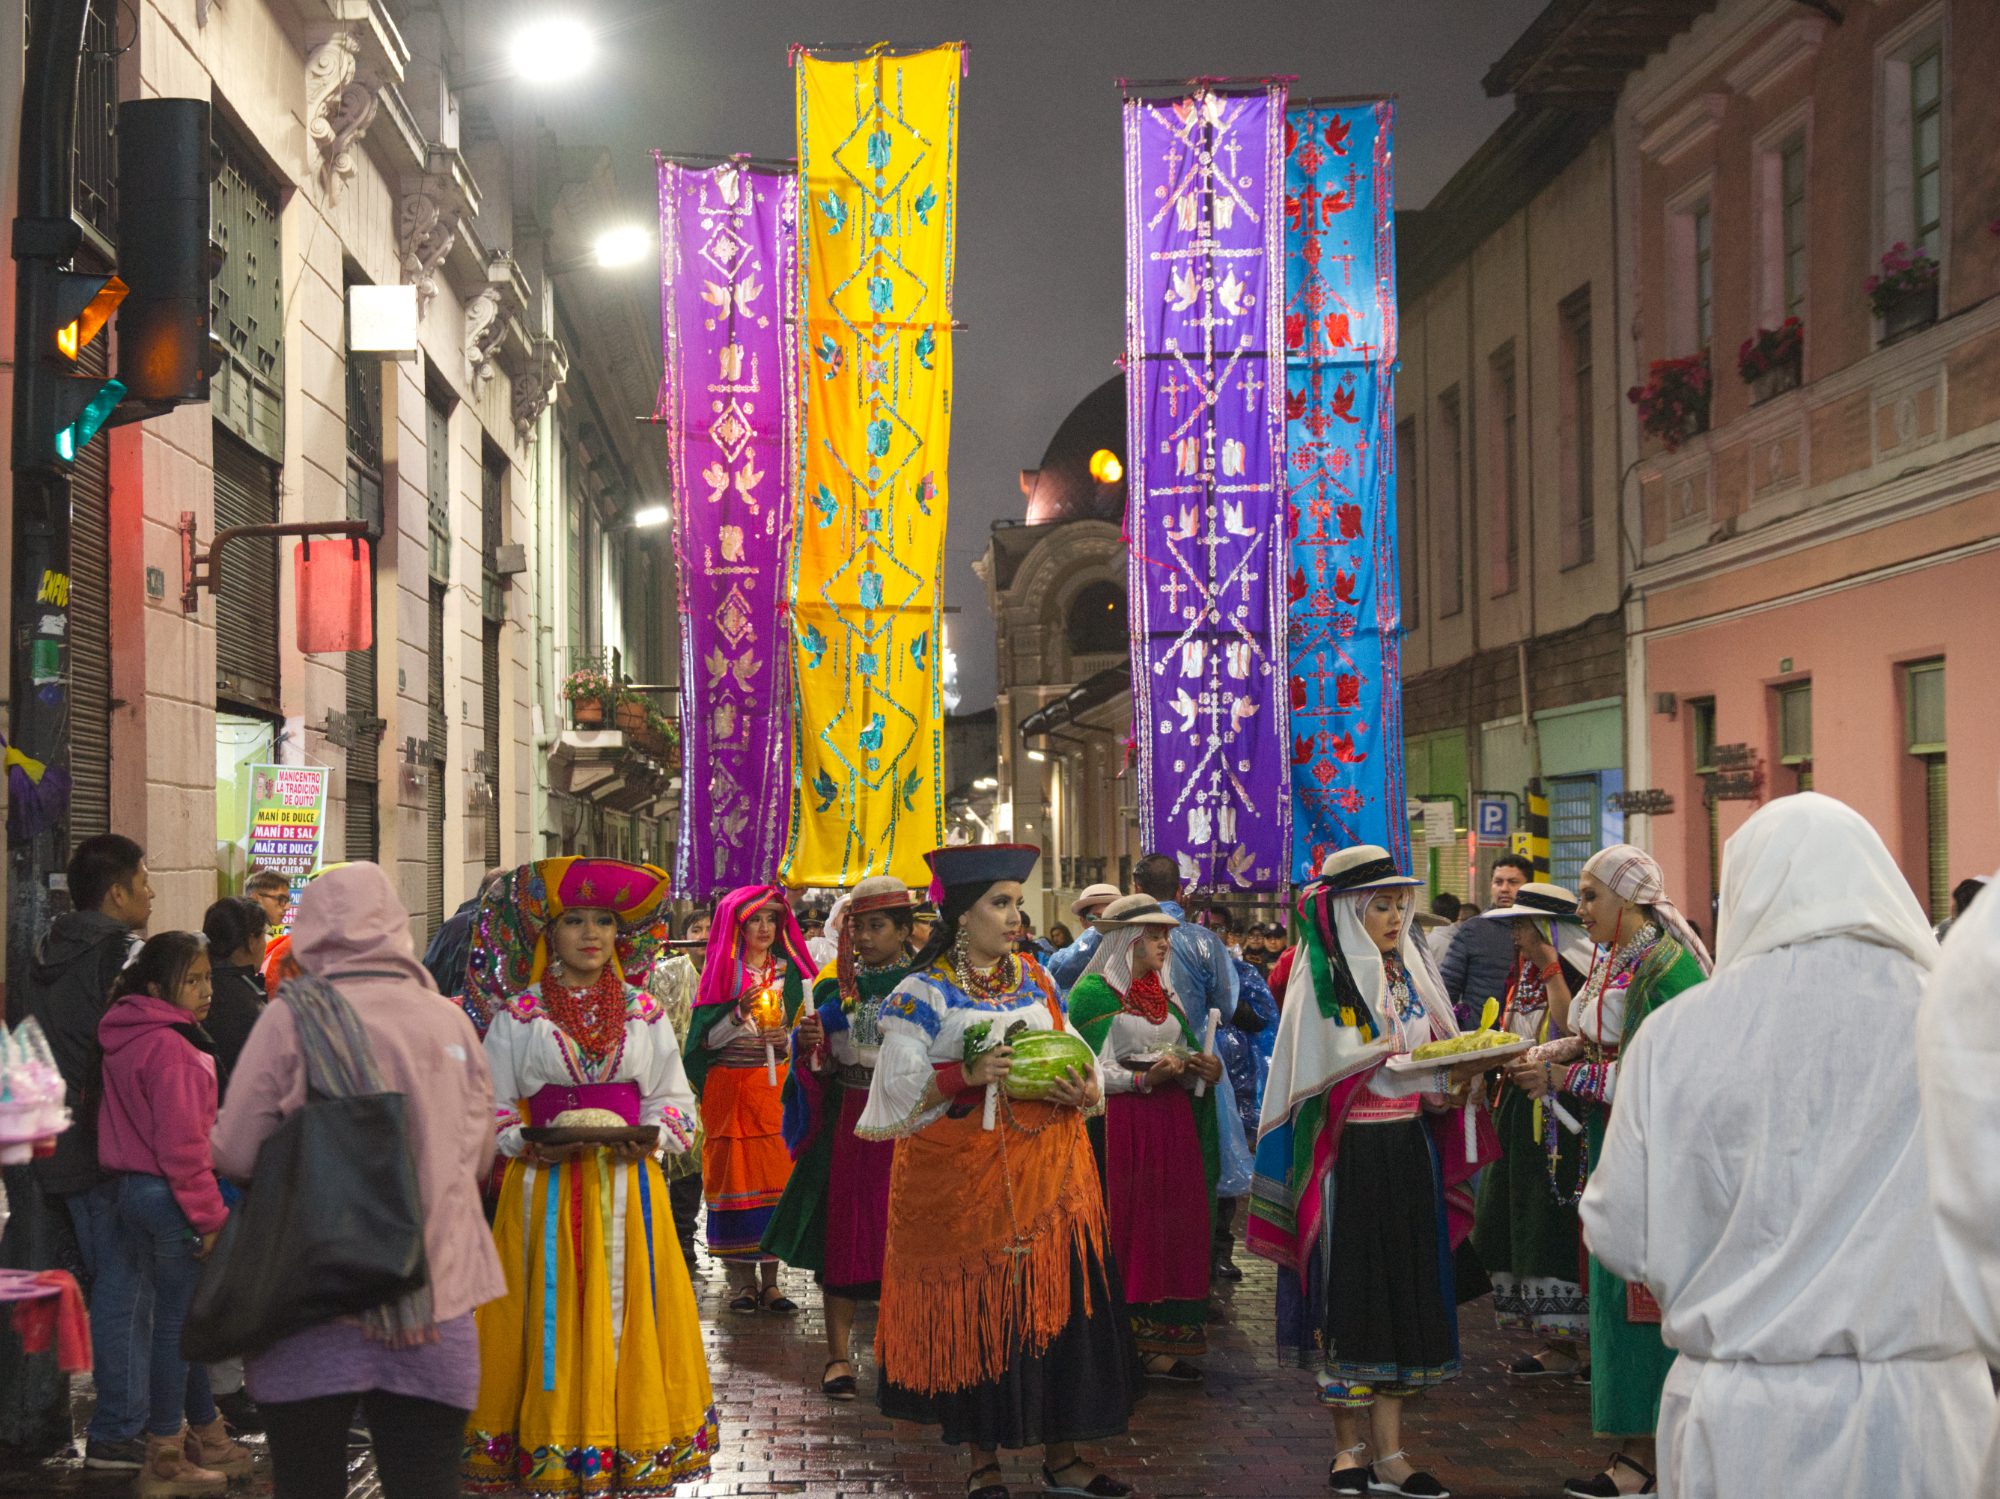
(1764, 1176)
(1958, 1058)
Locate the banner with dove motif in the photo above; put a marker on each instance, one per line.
(878, 175)
(1204, 285)
(727, 258)
(1344, 669)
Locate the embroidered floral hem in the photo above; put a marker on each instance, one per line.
(495, 1465)
(1557, 1308)
(1356, 1386)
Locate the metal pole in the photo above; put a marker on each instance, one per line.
(38, 674)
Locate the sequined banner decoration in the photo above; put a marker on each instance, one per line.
(1340, 359)
(727, 265)
(878, 165)
(1204, 361)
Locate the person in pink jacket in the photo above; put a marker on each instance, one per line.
(152, 1131)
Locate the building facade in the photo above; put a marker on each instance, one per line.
(347, 159)
(1818, 572)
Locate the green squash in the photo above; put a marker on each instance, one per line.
(1041, 1058)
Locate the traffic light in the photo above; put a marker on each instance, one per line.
(63, 311)
(166, 166)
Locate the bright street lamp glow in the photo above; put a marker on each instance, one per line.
(552, 50)
(1037, 756)
(626, 245)
(1105, 467)
(652, 515)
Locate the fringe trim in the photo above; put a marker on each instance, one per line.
(952, 1325)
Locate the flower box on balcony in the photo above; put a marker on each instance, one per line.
(1771, 359)
(1905, 292)
(1673, 403)
(1906, 314)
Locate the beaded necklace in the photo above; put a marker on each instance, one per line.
(1146, 997)
(590, 1020)
(995, 982)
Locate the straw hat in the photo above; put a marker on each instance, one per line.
(1537, 899)
(1094, 898)
(1135, 910)
(1366, 866)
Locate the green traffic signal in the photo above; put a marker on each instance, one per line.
(64, 311)
(97, 408)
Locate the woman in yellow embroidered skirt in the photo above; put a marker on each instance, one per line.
(592, 1376)
(1001, 1319)
(753, 985)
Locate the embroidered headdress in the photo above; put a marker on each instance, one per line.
(721, 977)
(510, 931)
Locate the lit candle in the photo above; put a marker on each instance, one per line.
(1207, 1050)
(770, 1013)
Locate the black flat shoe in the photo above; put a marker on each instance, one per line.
(1532, 1367)
(1101, 1485)
(743, 1301)
(1350, 1480)
(1605, 1486)
(1180, 1371)
(1418, 1485)
(782, 1304)
(1226, 1269)
(994, 1490)
(842, 1388)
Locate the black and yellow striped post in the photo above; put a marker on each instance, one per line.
(1538, 828)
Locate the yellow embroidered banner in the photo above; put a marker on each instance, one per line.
(878, 163)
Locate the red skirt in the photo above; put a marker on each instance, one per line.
(1158, 1196)
(857, 1204)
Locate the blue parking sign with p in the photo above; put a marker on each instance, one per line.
(1491, 812)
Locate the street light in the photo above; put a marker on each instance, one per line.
(628, 244)
(554, 49)
(650, 516)
(1105, 467)
(1037, 756)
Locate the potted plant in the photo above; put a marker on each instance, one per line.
(1904, 293)
(589, 693)
(1673, 403)
(666, 732)
(632, 708)
(1769, 363)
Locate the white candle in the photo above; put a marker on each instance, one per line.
(1563, 1116)
(771, 1063)
(1207, 1050)
(1471, 1113)
(991, 1117)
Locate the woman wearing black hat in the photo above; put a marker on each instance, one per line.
(1000, 1320)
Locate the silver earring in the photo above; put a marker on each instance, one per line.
(556, 968)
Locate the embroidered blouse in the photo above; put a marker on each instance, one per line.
(527, 1052)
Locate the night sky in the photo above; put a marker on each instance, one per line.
(1041, 234)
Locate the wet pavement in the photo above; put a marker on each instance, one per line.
(1252, 1429)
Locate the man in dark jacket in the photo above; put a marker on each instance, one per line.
(451, 945)
(1480, 962)
(69, 989)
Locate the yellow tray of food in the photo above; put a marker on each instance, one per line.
(1478, 1046)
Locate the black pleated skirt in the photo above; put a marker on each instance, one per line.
(1081, 1388)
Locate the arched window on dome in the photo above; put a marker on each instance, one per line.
(1096, 624)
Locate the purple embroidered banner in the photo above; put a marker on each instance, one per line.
(1346, 692)
(1203, 284)
(727, 264)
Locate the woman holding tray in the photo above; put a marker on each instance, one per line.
(1359, 1193)
(1526, 1232)
(834, 1217)
(1001, 1320)
(1160, 1150)
(753, 984)
(1648, 954)
(592, 1376)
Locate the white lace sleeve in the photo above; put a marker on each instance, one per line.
(503, 1036)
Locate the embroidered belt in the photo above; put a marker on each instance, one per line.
(855, 1075)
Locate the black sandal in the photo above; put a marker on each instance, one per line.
(1354, 1480)
(986, 1491)
(784, 1306)
(1180, 1371)
(1101, 1485)
(1419, 1485)
(743, 1301)
(1532, 1367)
(843, 1388)
(1605, 1486)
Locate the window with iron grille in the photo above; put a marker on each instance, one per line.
(492, 532)
(246, 592)
(1927, 148)
(90, 624)
(247, 302)
(1451, 508)
(1792, 225)
(1795, 749)
(1704, 277)
(437, 485)
(364, 502)
(94, 148)
(1506, 486)
(1923, 696)
(1574, 826)
(439, 726)
(489, 657)
(1701, 723)
(1579, 466)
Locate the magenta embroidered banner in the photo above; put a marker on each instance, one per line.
(1346, 607)
(727, 265)
(1204, 286)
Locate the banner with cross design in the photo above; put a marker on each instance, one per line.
(727, 262)
(1205, 443)
(1344, 667)
(878, 174)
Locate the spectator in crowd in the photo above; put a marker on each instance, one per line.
(68, 990)
(1962, 895)
(152, 1131)
(1479, 964)
(272, 892)
(1437, 925)
(1066, 965)
(445, 958)
(1203, 975)
(1059, 936)
(235, 930)
(412, 1366)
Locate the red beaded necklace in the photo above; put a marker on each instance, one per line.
(1147, 998)
(593, 1018)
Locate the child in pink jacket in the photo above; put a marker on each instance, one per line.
(152, 1131)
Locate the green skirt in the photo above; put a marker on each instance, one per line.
(1628, 1361)
(1528, 1241)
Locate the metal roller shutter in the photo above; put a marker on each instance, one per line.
(90, 628)
(489, 669)
(246, 597)
(1937, 837)
(439, 726)
(363, 820)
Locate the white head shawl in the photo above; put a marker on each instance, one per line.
(1634, 875)
(1311, 1052)
(1805, 867)
(1112, 961)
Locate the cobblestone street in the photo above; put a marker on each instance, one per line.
(1251, 1430)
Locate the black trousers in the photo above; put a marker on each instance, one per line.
(418, 1445)
(684, 1196)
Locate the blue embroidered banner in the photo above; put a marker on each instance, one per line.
(1345, 616)
(1204, 515)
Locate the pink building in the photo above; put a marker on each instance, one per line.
(1815, 597)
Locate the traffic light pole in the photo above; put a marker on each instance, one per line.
(38, 677)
